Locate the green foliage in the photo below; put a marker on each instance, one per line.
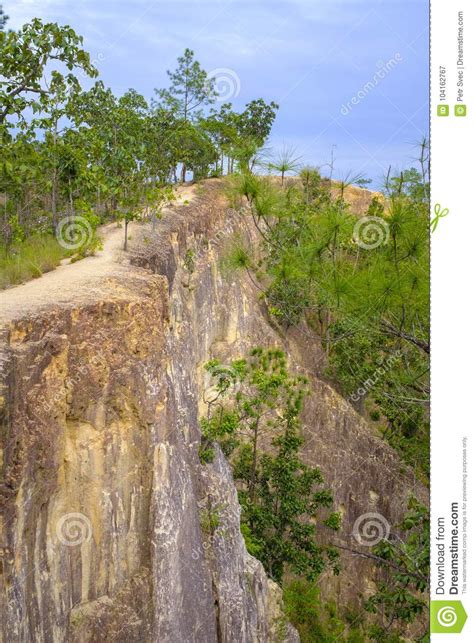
(189, 261)
(31, 54)
(29, 259)
(240, 136)
(189, 92)
(362, 291)
(236, 257)
(63, 147)
(311, 181)
(190, 88)
(3, 18)
(316, 620)
(286, 161)
(209, 521)
(255, 122)
(85, 244)
(401, 595)
(88, 248)
(206, 453)
(254, 547)
(256, 400)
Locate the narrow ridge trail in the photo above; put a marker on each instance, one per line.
(81, 280)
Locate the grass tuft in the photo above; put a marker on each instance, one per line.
(30, 259)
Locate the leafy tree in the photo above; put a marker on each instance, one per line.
(190, 87)
(256, 120)
(68, 152)
(253, 126)
(365, 298)
(316, 620)
(190, 90)
(112, 129)
(157, 197)
(281, 496)
(197, 152)
(405, 565)
(127, 214)
(400, 597)
(30, 64)
(221, 127)
(161, 146)
(3, 18)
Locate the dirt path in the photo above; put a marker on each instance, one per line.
(81, 280)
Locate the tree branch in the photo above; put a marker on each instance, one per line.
(379, 559)
(388, 329)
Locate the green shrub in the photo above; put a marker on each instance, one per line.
(315, 620)
(89, 248)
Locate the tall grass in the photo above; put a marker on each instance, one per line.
(29, 259)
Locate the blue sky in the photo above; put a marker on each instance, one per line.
(310, 56)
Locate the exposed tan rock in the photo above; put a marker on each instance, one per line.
(103, 497)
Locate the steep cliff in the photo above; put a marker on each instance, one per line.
(111, 527)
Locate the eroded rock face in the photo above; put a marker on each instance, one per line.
(111, 527)
(104, 499)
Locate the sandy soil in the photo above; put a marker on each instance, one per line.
(81, 280)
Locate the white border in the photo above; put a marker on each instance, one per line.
(452, 264)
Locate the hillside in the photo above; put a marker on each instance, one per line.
(105, 502)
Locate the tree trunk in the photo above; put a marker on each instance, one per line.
(71, 203)
(360, 406)
(254, 464)
(54, 187)
(125, 245)
(54, 206)
(328, 333)
(183, 173)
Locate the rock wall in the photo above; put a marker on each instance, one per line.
(111, 528)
